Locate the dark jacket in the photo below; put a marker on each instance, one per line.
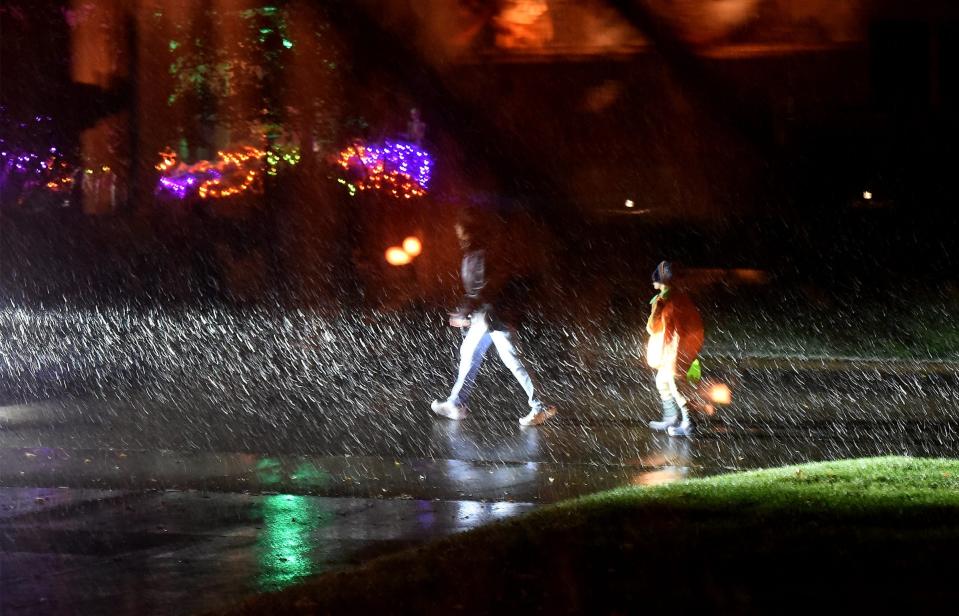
(490, 288)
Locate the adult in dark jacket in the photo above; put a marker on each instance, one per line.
(490, 309)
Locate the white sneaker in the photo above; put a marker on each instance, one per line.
(539, 417)
(448, 410)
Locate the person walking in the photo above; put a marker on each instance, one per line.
(676, 335)
(489, 311)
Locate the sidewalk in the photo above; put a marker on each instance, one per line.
(824, 363)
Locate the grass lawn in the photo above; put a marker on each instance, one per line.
(865, 535)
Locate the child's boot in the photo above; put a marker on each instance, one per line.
(670, 417)
(686, 427)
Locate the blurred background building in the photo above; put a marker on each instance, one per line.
(729, 120)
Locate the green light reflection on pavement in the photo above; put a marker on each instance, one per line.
(286, 546)
(269, 471)
(309, 474)
(306, 474)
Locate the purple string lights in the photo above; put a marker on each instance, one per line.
(400, 168)
(23, 165)
(232, 173)
(185, 183)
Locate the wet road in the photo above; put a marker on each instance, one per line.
(155, 552)
(134, 503)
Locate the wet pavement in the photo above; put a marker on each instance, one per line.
(136, 503)
(68, 551)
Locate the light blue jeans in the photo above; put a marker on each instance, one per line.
(668, 387)
(477, 341)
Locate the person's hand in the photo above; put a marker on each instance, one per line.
(457, 320)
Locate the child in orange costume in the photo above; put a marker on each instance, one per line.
(675, 338)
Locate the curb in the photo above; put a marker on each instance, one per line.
(833, 364)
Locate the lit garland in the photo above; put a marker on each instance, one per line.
(26, 162)
(17, 160)
(54, 174)
(52, 170)
(234, 172)
(167, 160)
(279, 154)
(233, 164)
(181, 185)
(61, 184)
(23, 172)
(396, 167)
